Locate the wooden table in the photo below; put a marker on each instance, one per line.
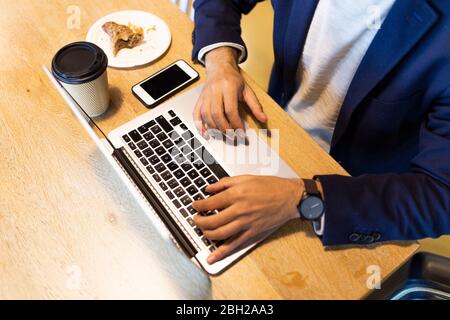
(69, 228)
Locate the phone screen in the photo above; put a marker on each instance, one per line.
(165, 81)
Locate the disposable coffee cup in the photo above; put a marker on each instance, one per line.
(81, 68)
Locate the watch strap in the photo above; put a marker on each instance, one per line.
(311, 187)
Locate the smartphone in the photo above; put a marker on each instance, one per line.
(165, 83)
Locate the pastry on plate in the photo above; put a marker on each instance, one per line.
(123, 36)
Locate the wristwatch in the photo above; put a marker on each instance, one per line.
(312, 205)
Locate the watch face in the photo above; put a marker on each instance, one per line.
(312, 208)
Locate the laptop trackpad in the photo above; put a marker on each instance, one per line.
(255, 156)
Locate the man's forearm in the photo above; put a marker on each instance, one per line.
(225, 56)
(386, 207)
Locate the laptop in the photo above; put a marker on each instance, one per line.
(166, 164)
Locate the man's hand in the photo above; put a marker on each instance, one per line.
(217, 106)
(249, 206)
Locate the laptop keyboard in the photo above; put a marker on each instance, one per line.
(179, 163)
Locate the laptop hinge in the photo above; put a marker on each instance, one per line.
(160, 209)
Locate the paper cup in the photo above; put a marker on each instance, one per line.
(81, 68)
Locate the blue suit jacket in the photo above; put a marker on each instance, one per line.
(393, 131)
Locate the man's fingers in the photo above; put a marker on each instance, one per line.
(206, 113)
(215, 221)
(225, 231)
(217, 201)
(231, 109)
(224, 183)
(254, 105)
(198, 118)
(218, 114)
(229, 246)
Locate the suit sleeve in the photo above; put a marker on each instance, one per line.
(219, 21)
(407, 206)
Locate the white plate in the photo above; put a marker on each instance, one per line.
(157, 38)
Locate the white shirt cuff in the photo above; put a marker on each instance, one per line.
(319, 226)
(205, 50)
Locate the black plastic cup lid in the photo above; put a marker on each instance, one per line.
(79, 62)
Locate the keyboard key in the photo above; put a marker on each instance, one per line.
(179, 142)
(179, 159)
(135, 136)
(172, 113)
(173, 184)
(156, 129)
(179, 192)
(211, 180)
(184, 213)
(132, 145)
(174, 136)
(150, 124)
(177, 203)
(154, 160)
(191, 222)
(193, 174)
(192, 157)
(185, 182)
(200, 182)
(179, 174)
(186, 200)
(143, 129)
(165, 125)
(187, 135)
(126, 138)
(163, 186)
(148, 136)
(192, 190)
(198, 232)
(198, 197)
(206, 241)
(174, 152)
(194, 143)
(175, 121)
(156, 177)
(168, 144)
(150, 170)
(170, 195)
(160, 151)
(160, 167)
(142, 145)
(138, 153)
(166, 176)
(186, 167)
(183, 126)
(154, 143)
(144, 161)
(191, 210)
(166, 158)
(162, 136)
(205, 172)
(148, 152)
(205, 193)
(199, 165)
(172, 166)
(185, 149)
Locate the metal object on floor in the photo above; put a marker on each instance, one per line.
(425, 277)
